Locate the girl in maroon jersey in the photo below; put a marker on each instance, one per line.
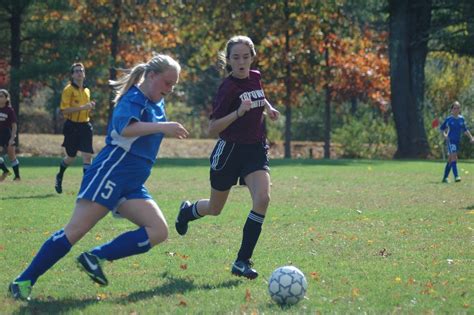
(241, 150)
(8, 128)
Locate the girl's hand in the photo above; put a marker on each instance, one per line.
(244, 107)
(472, 140)
(174, 129)
(273, 113)
(11, 142)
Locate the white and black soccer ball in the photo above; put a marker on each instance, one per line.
(287, 285)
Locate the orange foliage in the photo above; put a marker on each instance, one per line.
(360, 68)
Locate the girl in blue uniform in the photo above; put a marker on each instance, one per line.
(452, 128)
(241, 151)
(115, 180)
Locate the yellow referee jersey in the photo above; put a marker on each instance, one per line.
(75, 97)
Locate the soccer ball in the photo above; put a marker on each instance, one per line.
(287, 285)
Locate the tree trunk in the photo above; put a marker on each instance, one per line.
(327, 108)
(288, 86)
(409, 27)
(15, 63)
(114, 47)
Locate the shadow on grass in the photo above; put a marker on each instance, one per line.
(53, 306)
(172, 286)
(28, 197)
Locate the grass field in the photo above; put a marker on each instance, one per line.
(370, 236)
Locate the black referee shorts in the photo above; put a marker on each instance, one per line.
(77, 137)
(231, 161)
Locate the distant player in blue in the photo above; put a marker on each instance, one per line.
(453, 128)
(115, 180)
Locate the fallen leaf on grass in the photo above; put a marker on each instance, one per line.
(182, 303)
(355, 292)
(384, 253)
(101, 296)
(183, 266)
(314, 275)
(248, 296)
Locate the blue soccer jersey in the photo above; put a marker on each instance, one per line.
(135, 106)
(456, 127)
(119, 171)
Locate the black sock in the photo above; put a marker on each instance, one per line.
(251, 232)
(16, 168)
(190, 213)
(62, 168)
(85, 166)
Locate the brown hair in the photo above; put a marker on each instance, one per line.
(225, 54)
(7, 95)
(77, 64)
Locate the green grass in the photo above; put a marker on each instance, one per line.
(370, 236)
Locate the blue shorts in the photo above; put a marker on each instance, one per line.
(452, 146)
(115, 176)
(231, 161)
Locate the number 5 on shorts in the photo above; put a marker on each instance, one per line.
(109, 186)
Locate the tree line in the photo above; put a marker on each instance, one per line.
(338, 55)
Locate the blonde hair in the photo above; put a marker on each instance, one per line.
(7, 95)
(158, 64)
(225, 54)
(455, 103)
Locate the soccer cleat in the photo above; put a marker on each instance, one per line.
(17, 179)
(20, 290)
(59, 184)
(181, 225)
(445, 180)
(457, 179)
(91, 264)
(243, 268)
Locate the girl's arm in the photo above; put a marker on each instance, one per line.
(468, 133)
(272, 112)
(139, 128)
(70, 110)
(13, 136)
(220, 124)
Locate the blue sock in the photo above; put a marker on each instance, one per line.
(128, 244)
(447, 169)
(454, 165)
(50, 253)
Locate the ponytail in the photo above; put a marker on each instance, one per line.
(121, 86)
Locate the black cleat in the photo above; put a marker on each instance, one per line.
(59, 184)
(181, 225)
(91, 264)
(243, 268)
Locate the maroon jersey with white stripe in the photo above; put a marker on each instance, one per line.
(7, 117)
(249, 128)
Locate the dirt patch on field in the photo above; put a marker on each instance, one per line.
(50, 145)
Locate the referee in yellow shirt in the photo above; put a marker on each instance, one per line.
(76, 107)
